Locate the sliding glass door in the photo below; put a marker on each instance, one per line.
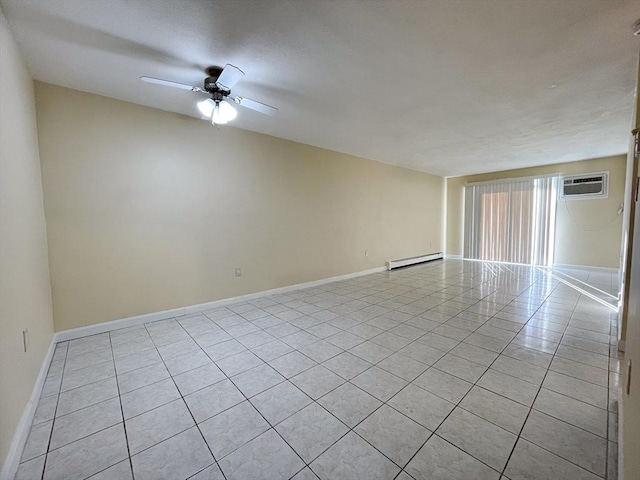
(511, 221)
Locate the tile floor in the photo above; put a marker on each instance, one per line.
(449, 370)
(602, 283)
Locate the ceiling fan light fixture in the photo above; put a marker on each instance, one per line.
(223, 112)
(227, 110)
(218, 118)
(206, 107)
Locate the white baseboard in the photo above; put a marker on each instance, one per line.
(452, 257)
(277, 291)
(12, 462)
(585, 267)
(73, 333)
(22, 431)
(177, 312)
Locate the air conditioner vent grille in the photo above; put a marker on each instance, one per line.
(583, 180)
(591, 185)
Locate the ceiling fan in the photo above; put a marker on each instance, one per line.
(218, 84)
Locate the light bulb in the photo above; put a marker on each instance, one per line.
(218, 117)
(227, 111)
(206, 107)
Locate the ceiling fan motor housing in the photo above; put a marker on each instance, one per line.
(210, 86)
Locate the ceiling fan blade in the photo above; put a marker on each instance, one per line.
(255, 105)
(167, 83)
(229, 76)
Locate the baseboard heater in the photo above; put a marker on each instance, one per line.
(405, 262)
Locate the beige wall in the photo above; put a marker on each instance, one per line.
(148, 210)
(25, 293)
(588, 232)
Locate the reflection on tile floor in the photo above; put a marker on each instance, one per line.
(448, 370)
(602, 284)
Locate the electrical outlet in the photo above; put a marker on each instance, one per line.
(366, 253)
(25, 339)
(238, 272)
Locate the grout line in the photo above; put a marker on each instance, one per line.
(606, 459)
(575, 426)
(457, 405)
(126, 436)
(350, 429)
(519, 436)
(460, 401)
(464, 287)
(55, 412)
(272, 427)
(186, 406)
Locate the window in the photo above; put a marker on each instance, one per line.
(511, 221)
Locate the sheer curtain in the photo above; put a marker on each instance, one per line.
(511, 221)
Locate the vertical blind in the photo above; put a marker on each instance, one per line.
(511, 221)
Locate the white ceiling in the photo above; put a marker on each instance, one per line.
(448, 87)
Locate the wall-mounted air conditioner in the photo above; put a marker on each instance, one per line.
(590, 185)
